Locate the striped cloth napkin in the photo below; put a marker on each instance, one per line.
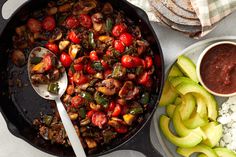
(210, 12)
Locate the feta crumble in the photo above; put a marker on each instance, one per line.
(227, 117)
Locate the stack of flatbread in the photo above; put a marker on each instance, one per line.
(195, 18)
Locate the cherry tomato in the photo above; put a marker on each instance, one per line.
(148, 61)
(119, 46)
(99, 119)
(93, 56)
(47, 62)
(107, 73)
(78, 67)
(34, 25)
(65, 59)
(79, 78)
(104, 64)
(122, 129)
(85, 20)
(90, 114)
(73, 37)
(76, 101)
(117, 111)
(109, 53)
(112, 106)
(49, 23)
(126, 38)
(52, 47)
(70, 89)
(71, 22)
(143, 78)
(89, 69)
(119, 29)
(130, 61)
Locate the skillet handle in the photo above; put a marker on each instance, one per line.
(3, 21)
(142, 143)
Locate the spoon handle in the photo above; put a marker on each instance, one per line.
(70, 130)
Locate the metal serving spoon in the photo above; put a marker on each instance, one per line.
(41, 89)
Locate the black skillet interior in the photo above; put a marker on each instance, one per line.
(20, 105)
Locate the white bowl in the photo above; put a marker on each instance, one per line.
(199, 65)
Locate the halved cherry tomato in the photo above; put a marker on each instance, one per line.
(143, 78)
(93, 56)
(79, 78)
(73, 37)
(107, 72)
(104, 64)
(47, 60)
(126, 38)
(90, 114)
(71, 22)
(109, 53)
(89, 69)
(78, 67)
(131, 61)
(119, 46)
(149, 61)
(49, 23)
(117, 110)
(122, 129)
(65, 59)
(34, 25)
(112, 106)
(99, 119)
(85, 20)
(119, 29)
(76, 101)
(52, 47)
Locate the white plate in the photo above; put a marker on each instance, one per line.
(193, 52)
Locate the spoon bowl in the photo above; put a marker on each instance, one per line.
(41, 89)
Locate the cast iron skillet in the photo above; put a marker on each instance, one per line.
(20, 106)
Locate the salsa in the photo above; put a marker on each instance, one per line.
(218, 69)
(109, 66)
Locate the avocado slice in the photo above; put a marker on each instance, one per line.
(214, 132)
(195, 121)
(174, 71)
(224, 152)
(170, 110)
(178, 101)
(190, 140)
(168, 94)
(210, 101)
(187, 106)
(201, 106)
(175, 81)
(181, 129)
(201, 148)
(187, 66)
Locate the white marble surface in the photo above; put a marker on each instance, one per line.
(172, 44)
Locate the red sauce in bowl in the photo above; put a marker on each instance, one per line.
(218, 69)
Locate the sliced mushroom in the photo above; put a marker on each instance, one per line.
(55, 75)
(65, 7)
(52, 10)
(107, 8)
(73, 51)
(97, 20)
(39, 79)
(116, 122)
(18, 58)
(94, 106)
(109, 86)
(90, 143)
(21, 30)
(85, 122)
(142, 46)
(63, 44)
(73, 116)
(128, 91)
(56, 35)
(87, 5)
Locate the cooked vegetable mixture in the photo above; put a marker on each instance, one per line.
(108, 63)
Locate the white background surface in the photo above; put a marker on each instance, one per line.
(172, 44)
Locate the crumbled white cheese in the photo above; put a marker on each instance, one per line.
(227, 117)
